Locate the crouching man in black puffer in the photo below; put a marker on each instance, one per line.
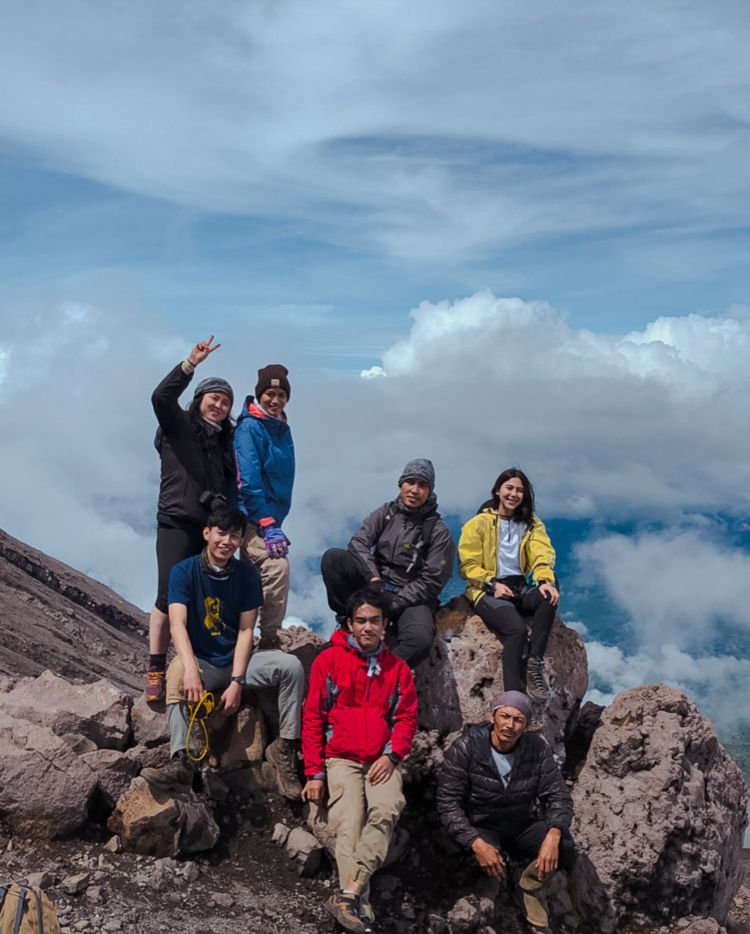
(493, 778)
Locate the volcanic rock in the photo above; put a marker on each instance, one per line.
(660, 811)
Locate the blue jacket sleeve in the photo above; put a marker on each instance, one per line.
(250, 449)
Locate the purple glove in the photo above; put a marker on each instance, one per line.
(277, 544)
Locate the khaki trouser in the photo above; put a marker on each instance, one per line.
(363, 816)
(274, 576)
(271, 669)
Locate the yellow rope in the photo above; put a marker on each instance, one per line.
(198, 713)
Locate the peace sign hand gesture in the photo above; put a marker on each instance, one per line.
(201, 350)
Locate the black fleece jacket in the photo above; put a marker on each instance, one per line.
(471, 795)
(191, 459)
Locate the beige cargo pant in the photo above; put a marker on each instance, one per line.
(274, 576)
(363, 817)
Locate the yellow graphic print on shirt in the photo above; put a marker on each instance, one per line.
(212, 620)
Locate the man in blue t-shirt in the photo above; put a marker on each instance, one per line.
(213, 605)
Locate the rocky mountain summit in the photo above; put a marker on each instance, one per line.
(660, 806)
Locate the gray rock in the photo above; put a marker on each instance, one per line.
(114, 771)
(660, 811)
(42, 880)
(305, 849)
(98, 711)
(280, 834)
(150, 724)
(158, 823)
(44, 787)
(76, 884)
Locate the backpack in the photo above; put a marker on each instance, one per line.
(25, 909)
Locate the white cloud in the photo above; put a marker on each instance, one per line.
(443, 131)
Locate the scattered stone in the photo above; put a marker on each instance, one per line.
(114, 844)
(306, 850)
(42, 880)
(222, 900)
(280, 834)
(75, 885)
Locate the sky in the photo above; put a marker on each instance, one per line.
(486, 233)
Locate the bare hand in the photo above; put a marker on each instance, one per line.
(230, 699)
(546, 860)
(550, 592)
(192, 685)
(489, 858)
(380, 771)
(201, 350)
(313, 790)
(503, 591)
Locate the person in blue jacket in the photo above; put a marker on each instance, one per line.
(265, 473)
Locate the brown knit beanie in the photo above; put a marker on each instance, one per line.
(273, 376)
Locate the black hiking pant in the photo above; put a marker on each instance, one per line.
(505, 618)
(524, 844)
(411, 632)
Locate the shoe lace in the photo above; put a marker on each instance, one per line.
(537, 675)
(154, 678)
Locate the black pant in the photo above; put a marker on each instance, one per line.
(524, 844)
(174, 544)
(506, 620)
(413, 629)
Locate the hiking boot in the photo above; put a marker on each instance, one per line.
(344, 908)
(536, 686)
(178, 771)
(155, 685)
(282, 754)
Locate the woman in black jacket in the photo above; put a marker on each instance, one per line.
(197, 465)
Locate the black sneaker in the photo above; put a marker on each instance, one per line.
(536, 686)
(282, 754)
(344, 909)
(178, 771)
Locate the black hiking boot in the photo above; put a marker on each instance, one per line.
(344, 908)
(283, 754)
(178, 771)
(536, 686)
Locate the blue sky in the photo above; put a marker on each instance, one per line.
(485, 232)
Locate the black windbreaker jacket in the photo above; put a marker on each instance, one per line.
(471, 795)
(191, 459)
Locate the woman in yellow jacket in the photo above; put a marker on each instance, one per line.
(508, 561)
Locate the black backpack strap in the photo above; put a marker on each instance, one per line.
(39, 910)
(19, 911)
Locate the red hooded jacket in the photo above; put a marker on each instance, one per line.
(349, 715)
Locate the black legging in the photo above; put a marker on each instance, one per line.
(505, 618)
(174, 544)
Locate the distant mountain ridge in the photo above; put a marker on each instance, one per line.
(52, 616)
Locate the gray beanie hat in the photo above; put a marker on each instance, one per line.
(419, 469)
(514, 699)
(213, 384)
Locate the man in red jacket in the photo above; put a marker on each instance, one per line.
(358, 724)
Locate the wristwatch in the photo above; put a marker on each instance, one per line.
(239, 679)
(395, 759)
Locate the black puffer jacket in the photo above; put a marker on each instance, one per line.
(390, 544)
(471, 795)
(192, 460)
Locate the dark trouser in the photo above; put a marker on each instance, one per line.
(173, 544)
(524, 845)
(411, 632)
(505, 618)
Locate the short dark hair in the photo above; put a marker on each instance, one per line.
(227, 519)
(377, 598)
(524, 512)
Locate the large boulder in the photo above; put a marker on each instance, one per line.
(45, 786)
(464, 671)
(163, 823)
(660, 811)
(98, 711)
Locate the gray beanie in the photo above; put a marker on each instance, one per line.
(213, 384)
(419, 469)
(514, 699)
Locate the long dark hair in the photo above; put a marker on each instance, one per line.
(223, 439)
(525, 511)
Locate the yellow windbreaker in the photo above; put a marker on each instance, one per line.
(477, 553)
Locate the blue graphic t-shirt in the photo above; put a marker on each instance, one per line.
(214, 605)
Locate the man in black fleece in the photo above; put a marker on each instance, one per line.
(493, 777)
